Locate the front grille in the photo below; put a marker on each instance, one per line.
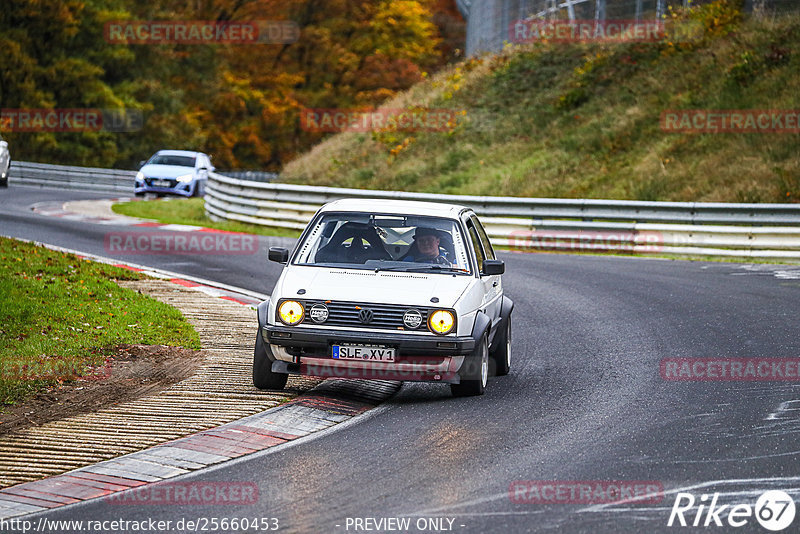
(388, 316)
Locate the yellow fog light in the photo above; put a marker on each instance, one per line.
(291, 312)
(441, 322)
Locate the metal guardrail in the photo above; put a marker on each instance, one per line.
(68, 177)
(683, 228)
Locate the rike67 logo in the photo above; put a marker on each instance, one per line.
(774, 510)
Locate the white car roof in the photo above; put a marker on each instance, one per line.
(188, 153)
(394, 207)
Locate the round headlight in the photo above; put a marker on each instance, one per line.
(291, 312)
(441, 322)
(318, 313)
(412, 319)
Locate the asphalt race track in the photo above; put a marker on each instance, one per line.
(585, 401)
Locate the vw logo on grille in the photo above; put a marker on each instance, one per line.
(365, 315)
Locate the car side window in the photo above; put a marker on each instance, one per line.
(476, 244)
(487, 245)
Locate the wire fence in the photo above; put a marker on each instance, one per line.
(488, 21)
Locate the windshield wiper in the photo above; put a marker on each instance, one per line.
(436, 267)
(415, 268)
(401, 268)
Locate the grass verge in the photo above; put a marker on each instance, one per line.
(61, 318)
(191, 211)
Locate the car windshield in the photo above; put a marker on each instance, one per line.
(178, 161)
(385, 243)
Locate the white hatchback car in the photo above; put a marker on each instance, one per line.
(392, 290)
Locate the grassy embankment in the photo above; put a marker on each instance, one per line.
(583, 121)
(61, 317)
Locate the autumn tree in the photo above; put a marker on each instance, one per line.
(239, 102)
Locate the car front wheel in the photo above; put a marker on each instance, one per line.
(475, 372)
(263, 377)
(501, 356)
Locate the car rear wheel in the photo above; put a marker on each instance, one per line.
(502, 354)
(476, 372)
(263, 377)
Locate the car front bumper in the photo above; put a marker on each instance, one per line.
(183, 189)
(307, 351)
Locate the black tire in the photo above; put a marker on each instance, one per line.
(263, 377)
(4, 182)
(475, 372)
(501, 356)
(139, 194)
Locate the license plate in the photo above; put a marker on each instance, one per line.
(161, 183)
(364, 352)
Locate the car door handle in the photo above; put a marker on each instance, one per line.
(495, 284)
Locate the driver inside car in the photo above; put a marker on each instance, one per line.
(426, 247)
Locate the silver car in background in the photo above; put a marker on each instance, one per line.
(5, 163)
(175, 172)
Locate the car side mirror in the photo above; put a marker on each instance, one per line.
(278, 255)
(493, 267)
